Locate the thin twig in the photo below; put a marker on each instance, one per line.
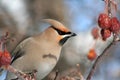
(56, 75)
(98, 60)
(16, 72)
(22, 75)
(109, 8)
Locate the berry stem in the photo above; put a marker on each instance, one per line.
(1, 46)
(109, 8)
(99, 58)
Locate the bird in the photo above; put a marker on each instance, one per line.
(40, 52)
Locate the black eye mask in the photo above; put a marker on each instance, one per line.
(61, 32)
(69, 34)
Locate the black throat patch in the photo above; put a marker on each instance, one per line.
(62, 41)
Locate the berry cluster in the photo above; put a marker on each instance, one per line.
(108, 25)
(5, 57)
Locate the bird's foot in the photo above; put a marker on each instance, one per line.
(31, 75)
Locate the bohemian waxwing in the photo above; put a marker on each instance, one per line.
(40, 52)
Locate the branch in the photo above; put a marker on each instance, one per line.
(22, 75)
(56, 75)
(98, 60)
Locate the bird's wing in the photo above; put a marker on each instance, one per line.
(19, 51)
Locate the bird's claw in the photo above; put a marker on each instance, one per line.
(28, 76)
(31, 75)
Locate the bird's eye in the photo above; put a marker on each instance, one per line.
(61, 32)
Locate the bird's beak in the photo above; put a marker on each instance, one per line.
(73, 34)
(69, 34)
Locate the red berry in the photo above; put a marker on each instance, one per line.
(115, 25)
(92, 55)
(105, 33)
(95, 33)
(5, 58)
(104, 21)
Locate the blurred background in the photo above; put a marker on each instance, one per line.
(21, 18)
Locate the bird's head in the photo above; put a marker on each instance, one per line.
(63, 34)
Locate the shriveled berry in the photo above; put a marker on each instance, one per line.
(92, 55)
(105, 33)
(104, 21)
(95, 33)
(5, 58)
(115, 25)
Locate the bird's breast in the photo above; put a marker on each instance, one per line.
(44, 68)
